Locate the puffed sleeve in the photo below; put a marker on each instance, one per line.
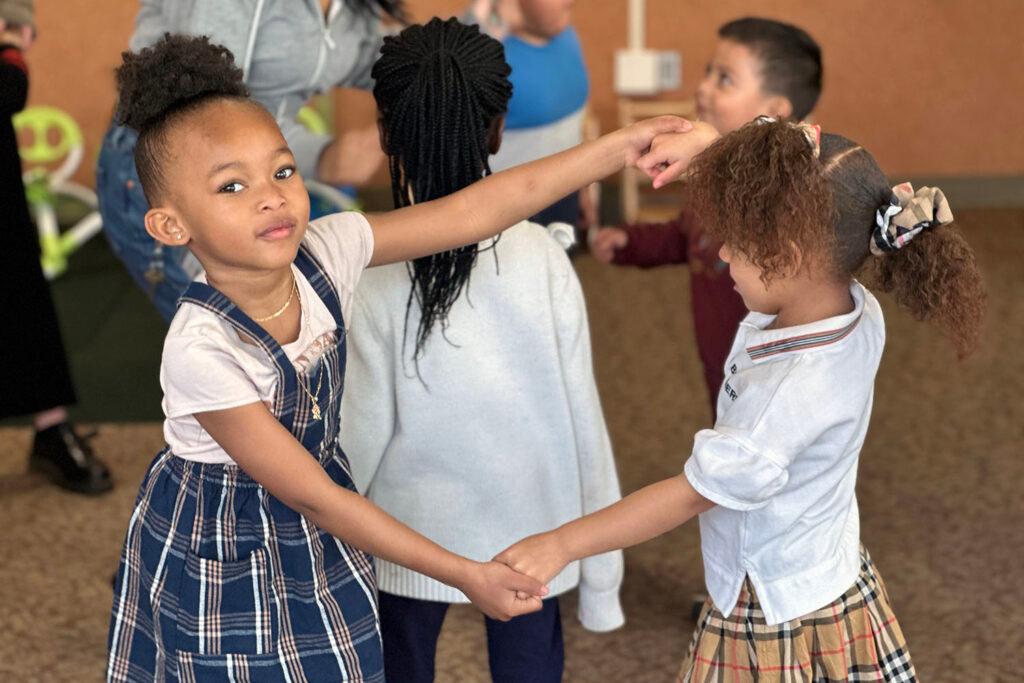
(745, 459)
(732, 472)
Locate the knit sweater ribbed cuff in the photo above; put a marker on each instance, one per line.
(600, 611)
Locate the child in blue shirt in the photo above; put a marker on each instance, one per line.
(550, 88)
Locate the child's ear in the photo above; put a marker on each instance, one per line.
(165, 227)
(494, 133)
(780, 107)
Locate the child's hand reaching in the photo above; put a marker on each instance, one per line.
(541, 556)
(638, 137)
(606, 241)
(671, 153)
(501, 593)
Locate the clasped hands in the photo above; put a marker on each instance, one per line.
(515, 581)
(541, 557)
(670, 153)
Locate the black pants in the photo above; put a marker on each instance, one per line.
(34, 373)
(565, 210)
(527, 649)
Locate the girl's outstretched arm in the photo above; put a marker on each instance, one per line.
(639, 517)
(487, 207)
(270, 454)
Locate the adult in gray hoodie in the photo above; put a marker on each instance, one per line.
(289, 51)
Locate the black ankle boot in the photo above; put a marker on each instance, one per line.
(67, 460)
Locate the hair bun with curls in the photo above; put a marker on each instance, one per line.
(176, 71)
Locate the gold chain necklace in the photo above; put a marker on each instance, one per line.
(278, 312)
(313, 396)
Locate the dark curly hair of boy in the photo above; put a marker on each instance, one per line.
(161, 84)
(763, 191)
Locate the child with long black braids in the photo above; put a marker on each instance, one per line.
(794, 595)
(246, 554)
(471, 411)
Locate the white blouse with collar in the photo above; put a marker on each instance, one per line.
(781, 461)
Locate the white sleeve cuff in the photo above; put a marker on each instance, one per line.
(600, 611)
(729, 473)
(693, 475)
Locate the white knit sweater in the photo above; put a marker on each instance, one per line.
(504, 436)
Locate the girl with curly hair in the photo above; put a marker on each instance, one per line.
(247, 555)
(792, 592)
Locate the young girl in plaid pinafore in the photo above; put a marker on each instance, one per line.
(793, 595)
(235, 579)
(246, 556)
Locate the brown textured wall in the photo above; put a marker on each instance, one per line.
(932, 87)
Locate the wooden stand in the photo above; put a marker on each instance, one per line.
(631, 111)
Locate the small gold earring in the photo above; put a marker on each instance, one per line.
(177, 235)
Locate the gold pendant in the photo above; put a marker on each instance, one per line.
(316, 410)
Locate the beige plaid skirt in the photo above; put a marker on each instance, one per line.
(855, 638)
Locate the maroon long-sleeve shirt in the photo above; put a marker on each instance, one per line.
(717, 307)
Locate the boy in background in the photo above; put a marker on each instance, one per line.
(549, 89)
(760, 67)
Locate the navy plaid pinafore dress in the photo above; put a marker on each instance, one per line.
(219, 580)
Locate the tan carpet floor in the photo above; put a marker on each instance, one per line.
(941, 491)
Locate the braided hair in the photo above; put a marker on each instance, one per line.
(439, 89)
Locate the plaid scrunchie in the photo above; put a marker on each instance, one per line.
(811, 132)
(906, 215)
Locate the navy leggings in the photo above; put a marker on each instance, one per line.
(565, 210)
(527, 649)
